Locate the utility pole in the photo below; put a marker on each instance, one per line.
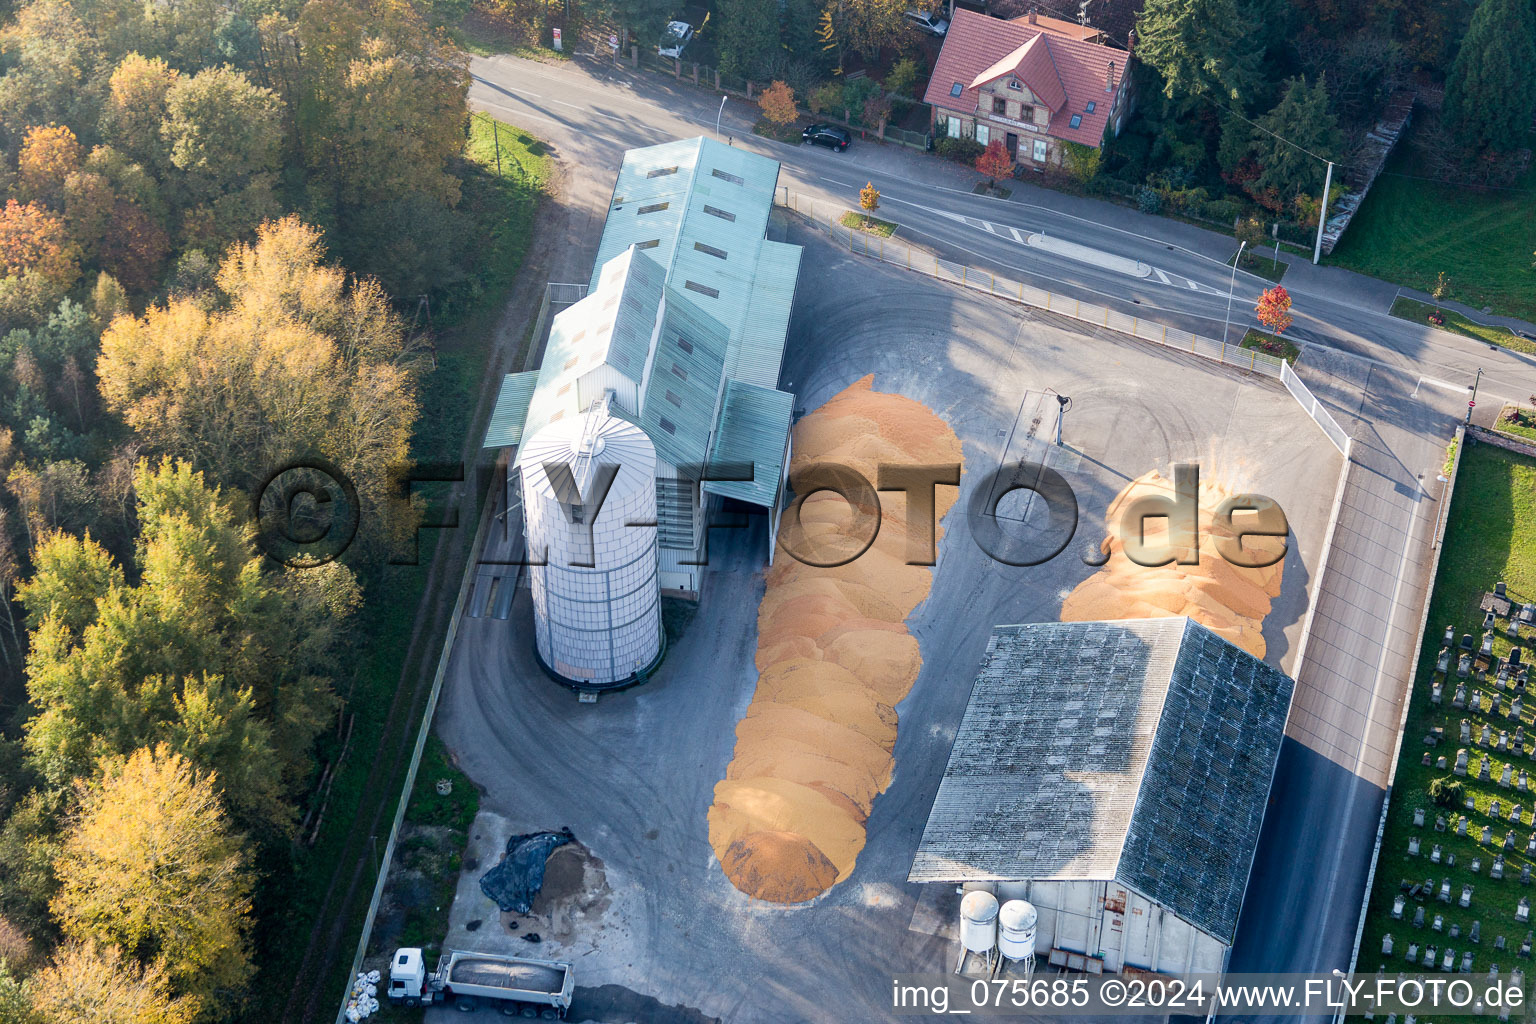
(719, 114)
(1472, 403)
(1063, 403)
(1232, 288)
(1322, 216)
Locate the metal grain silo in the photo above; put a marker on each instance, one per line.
(597, 597)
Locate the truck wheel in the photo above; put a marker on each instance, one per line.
(466, 1004)
(530, 1012)
(412, 1001)
(550, 1014)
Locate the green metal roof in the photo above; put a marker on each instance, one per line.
(754, 426)
(511, 408)
(703, 208)
(683, 389)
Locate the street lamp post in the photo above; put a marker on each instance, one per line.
(1473, 401)
(1231, 288)
(1322, 215)
(1063, 403)
(718, 115)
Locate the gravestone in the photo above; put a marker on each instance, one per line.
(1505, 776)
(1413, 952)
(1466, 963)
(1503, 746)
(1418, 812)
(1461, 825)
(1444, 896)
(1443, 662)
(1476, 936)
(1450, 959)
(1477, 864)
(1487, 835)
(1471, 803)
(1498, 943)
(1494, 808)
(1516, 815)
(1454, 931)
(1525, 874)
(1413, 846)
(1496, 870)
(1466, 730)
(1450, 859)
(1435, 855)
(1386, 944)
(1440, 762)
(1509, 840)
(1498, 709)
(1525, 947)
(1418, 917)
(1466, 896)
(1450, 635)
(1516, 708)
(1485, 770)
(1523, 910)
(1429, 956)
(1488, 620)
(1524, 784)
(1464, 666)
(1486, 650)
(1461, 761)
(1438, 924)
(1460, 700)
(1466, 641)
(1436, 693)
(1398, 903)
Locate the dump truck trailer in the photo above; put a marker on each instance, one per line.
(515, 985)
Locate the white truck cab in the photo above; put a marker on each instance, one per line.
(407, 976)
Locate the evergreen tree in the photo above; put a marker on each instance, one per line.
(1490, 93)
(1202, 48)
(1304, 119)
(748, 36)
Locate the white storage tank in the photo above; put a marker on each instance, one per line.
(978, 922)
(1016, 929)
(597, 598)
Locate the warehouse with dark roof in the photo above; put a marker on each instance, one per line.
(1114, 774)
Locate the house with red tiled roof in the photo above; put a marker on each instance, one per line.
(1031, 83)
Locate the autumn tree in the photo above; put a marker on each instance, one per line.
(89, 982)
(296, 363)
(135, 108)
(994, 162)
(152, 867)
(864, 25)
(50, 69)
(1490, 93)
(226, 664)
(49, 154)
(223, 134)
(869, 200)
(1274, 309)
(778, 104)
(39, 260)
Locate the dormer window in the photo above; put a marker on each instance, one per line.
(1014, 83)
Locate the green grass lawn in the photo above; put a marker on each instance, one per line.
(867, 224)
(1265, 266)
(1419, 312)
(1409, 230)
(1518, 420)
(1490, 536)
(1272, 344)
(503, 207)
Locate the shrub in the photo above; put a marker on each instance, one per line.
(964, 151)
(827, 97)
(1445, 792)
(1148, 201)
(1223, 210)
(902, 76)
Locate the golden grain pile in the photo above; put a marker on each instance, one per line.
(834, 658)
(1227, 599)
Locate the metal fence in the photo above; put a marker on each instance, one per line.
(900, 254)
(1314, 408)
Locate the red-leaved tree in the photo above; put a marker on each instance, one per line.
(994, 162)
(1274, 309)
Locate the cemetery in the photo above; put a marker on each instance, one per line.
(1453, 887)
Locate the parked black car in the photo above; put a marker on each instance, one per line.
(829, 135)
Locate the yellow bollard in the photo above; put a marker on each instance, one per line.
(1048, 297)
(1165, 334)
(993, 287)
(1077, 308)
(1021, 291)
(1106, 316)
(1134, 326)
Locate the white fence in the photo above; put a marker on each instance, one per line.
(1320, 415)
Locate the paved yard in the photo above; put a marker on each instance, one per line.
(669, 938)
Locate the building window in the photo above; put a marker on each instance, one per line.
(667, 425)
(653, 208)
(709, 250)
(674, 399)
(1039, 153)
(571, 362)
(1091, 105)
(653, 243)
(702, 289)
(734, 179)
(679, 372)
(1014, 83)
(1077, 120)
(956, 89)
(999, 105)
(954, 127)
(660, 172)
(983, 133)
(1026, 113)
(685, 345)
(715, 211)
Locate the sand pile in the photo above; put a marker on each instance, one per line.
(834, 658)
(1229, 600)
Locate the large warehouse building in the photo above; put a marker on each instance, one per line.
(682, 334)
(1115, 775)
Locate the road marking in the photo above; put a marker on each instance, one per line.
(1192, 286)
(1162, 276)
(1016, 236)
(1432, 382)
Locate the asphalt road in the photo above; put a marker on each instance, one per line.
(1397, 386)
